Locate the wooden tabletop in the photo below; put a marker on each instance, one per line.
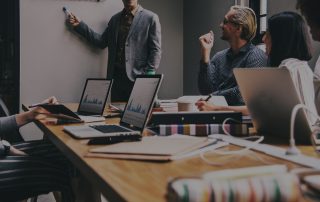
(129, 180)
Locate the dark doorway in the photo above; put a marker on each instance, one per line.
(9, 54)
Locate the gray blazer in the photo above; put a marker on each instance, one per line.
(143, 44)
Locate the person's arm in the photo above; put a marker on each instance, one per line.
(96, 39)
(256, 58)
(8, 124)
(208, 77)
(204, 106)
(154, 44)
(232, 95)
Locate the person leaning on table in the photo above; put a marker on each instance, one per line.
(32, 168)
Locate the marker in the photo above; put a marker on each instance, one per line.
(66, 10)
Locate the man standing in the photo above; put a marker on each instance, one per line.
(133, 38)
(216, 75)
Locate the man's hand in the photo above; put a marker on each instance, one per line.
(73, 20)
(206, 43)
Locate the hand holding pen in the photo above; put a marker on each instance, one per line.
(202, 103)
(208, 98)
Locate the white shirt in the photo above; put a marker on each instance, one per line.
(302, 77)
(317, 69)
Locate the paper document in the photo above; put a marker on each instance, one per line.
(158, 148)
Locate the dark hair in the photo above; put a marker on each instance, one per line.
(310, 9)
(289, 38)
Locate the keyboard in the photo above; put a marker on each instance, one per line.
(110, 128)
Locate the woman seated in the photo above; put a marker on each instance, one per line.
(287, 46)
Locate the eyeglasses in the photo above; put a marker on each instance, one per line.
(226, 21)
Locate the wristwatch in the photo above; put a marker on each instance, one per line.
(6, 146)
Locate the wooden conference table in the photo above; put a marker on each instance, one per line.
(129, 180)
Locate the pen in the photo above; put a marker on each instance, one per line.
(37, 104)
(208, 98)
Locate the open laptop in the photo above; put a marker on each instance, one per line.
(91, 105)
(135, 114)
(270, 96)
(94, 97)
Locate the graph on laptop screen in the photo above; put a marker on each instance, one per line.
(140, 100)
(94, 95)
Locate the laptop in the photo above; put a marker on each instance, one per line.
(270, 96)
(135, 115)
(91, 105)
(94, 97)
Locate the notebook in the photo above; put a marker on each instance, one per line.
(270, 96)
(135, 114)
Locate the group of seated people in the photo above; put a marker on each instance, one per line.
(32, 168)
(287, 46)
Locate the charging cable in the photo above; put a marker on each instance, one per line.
(293, 150)
(239, 152)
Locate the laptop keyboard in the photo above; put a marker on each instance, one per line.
(110, 128)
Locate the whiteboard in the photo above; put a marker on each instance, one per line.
(53, 60)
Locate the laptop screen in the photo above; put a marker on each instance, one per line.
(94, 96)
(141, 100)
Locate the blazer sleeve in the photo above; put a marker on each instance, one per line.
(8, 124)
(96, 39)
(154, 44)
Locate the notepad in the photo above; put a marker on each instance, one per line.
(156, 148)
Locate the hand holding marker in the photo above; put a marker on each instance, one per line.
(72, 19)
(66, 11)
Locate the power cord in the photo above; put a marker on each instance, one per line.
(293, 150)
(239, 152)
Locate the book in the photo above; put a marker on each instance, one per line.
(157, 148)
(201, 129)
